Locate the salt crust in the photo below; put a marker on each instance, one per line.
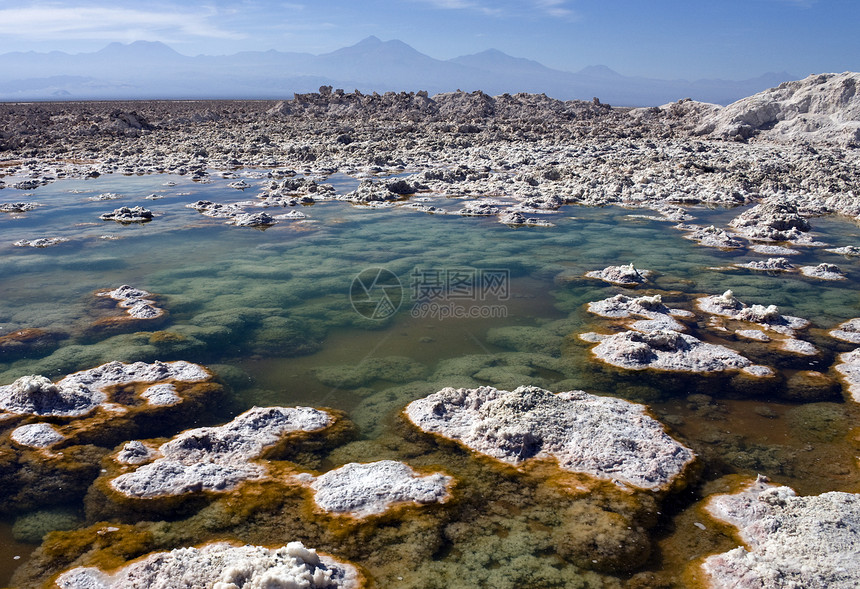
(604, 437)
(136, 302)
(223, 566)
(823, 272)
(37, 435)
(81, 392)
(848, 331)
(624, 275)
(656, 314)
(809, 542)
(370, 489)
(664, 350)
(849, 368)
(214, 458)
(727, 305)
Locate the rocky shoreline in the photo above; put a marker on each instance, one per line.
(537, 152)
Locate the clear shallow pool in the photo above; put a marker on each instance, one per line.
(271, 312)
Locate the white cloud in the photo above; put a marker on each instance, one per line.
(46, 22)
(511, 8)
(554, 8)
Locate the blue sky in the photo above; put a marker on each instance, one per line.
(731, 39)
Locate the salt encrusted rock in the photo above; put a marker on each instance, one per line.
(849, 331)
(775, 219)
(27, 184)
(362, 490)
(135, 452)
(672, 213)
(753, 334)
(849, 368)
(727, 305)
(821, 108)
(218, 458)
(260, 219)
(769, 265)
(711, 236)
(604, 437)
(128, 215)
(105, 196)
(798, 346)
(479, 209)
(517, 218)
(823, 271)
(54, 436)
(125, 293)
(666, 350)
(40, 242)
(17, 207)
(37, 435)
(37, 395)
(848, 250)
(144, 310)
(135, 301)
(658, 315)
(81, 392)
(291, 216)
(773, 250)
(216, 210)
(161, 395)
(791, 541)
(369, 191)
(223, 566)
(624, 275)
(239, 185)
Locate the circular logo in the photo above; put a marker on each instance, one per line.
(376, 293)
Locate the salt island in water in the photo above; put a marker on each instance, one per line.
(397, 340)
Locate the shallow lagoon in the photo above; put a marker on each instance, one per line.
(270, 311)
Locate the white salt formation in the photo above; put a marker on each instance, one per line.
(252, 220)
(656, 315)
(809, 542)
(848, 331)
(361, 490)
(81, 392)
(214, 458)
(223, 566)
(17, 207)
(137, 302)
(822, 108)
(624, 275)
(128, 215)
(849, 368)
(769, 265)
(665, 350)
(726, 305)
(37, 435)
(40, 242)
(710, 236)
(774, 219)
(604, 437)
(823, 272)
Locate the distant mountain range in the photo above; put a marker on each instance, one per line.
(152, 70)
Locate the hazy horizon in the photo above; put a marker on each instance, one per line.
(667, 40)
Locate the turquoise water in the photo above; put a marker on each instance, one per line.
(270, 311)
